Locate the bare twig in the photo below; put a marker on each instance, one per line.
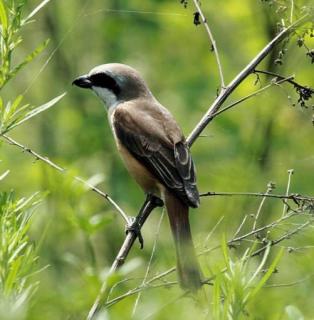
(251, 95)
(212, 43)
(285, 206)
(269, 189)
(287, 235)
(63, 170)
(280, 77)
(149, 263)
(294, 197)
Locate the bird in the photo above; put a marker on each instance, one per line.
(154, 151)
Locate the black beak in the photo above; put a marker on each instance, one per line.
(83, 82)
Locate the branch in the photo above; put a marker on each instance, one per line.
(37, 156)
(294, 197)
(212, 43)
(291, 81)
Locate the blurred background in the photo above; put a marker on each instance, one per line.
(78, 233)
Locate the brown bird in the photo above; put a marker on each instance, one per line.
(154, 151)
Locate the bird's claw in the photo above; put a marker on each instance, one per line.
(134, 227)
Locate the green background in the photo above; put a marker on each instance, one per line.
(241, 150)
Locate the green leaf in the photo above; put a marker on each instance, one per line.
(29, 58)
(267, 274)
(35, 11)
(3, 17)
(38, 110)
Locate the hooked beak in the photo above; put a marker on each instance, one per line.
(83, 82)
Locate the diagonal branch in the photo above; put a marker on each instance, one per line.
(63, 170)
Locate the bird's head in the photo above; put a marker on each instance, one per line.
(114, 83)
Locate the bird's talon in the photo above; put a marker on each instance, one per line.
(134, 227)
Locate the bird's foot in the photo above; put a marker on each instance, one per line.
(135, 227)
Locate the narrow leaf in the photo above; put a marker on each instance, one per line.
(29, 58)
(38, 8)
(3, 17)
(4, 175)
(39, 109)
(267, 274)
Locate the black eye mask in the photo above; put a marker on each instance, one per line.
(103, 80)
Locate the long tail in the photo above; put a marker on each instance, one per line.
(187, 264)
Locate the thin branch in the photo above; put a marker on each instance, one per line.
(287, 235)
(137, 290)
(149, 262)
(240, 226)
(251, 95)
(63, 170)
(212, 43)
(291, 81)
(259, 210)
(285, 206)
(290, 284)
(294, 197)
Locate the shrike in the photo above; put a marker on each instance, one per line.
(154, 151)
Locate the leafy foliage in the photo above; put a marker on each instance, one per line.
(18, 257)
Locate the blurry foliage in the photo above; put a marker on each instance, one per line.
(240, 151)
(18, 256)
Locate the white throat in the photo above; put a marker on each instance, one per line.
(107, 96)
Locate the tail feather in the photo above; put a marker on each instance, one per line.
(187, 264)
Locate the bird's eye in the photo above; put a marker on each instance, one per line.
(103, 80)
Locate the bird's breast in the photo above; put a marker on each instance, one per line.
(138, 171)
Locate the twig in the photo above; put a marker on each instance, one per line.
(63, 170)
(259, 210)
(285, 206)
(294, 197)
(290, 284)
(212, 43)
(291, 81)
(283, 237)
(149, 263)
(240, 226)
(212, 231)
(138, 289)
(251, 95)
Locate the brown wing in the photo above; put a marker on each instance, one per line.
(151, 144)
